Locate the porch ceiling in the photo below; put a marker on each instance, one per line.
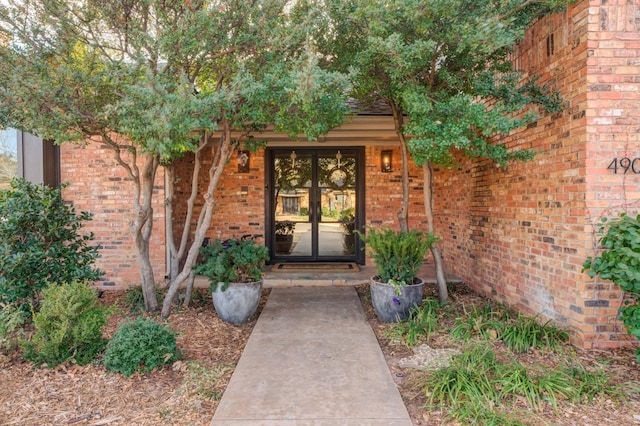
(358, 130)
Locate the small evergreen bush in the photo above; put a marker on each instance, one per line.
(41, 243)
(68, 326)
(140, 345)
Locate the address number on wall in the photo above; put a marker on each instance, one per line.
(625, 165)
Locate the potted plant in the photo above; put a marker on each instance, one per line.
(348, 222)
(284, 236)
(234, 270)
(398, 255)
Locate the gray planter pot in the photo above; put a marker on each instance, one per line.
(392, 307)
(238, 302)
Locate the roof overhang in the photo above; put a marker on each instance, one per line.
(357, 130)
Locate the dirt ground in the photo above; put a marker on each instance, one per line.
(187, 393)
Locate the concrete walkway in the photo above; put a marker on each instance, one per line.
(312, 359)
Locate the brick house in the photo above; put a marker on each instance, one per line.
(518, 234)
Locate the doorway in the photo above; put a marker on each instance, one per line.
(314, 204)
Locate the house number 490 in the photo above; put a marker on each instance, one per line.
(626, 164)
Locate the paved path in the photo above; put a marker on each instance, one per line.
(312, 359)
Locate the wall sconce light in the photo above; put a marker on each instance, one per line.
(385, 161)
(243, 161)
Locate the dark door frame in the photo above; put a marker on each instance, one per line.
(269, 194)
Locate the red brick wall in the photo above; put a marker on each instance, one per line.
(384, 191)
(97, 184)
(240, 204)
(613, 129)
(522, 233)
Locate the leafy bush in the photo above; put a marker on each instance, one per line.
(620, 263)
(68, 325)
(140, 345)
(238, 262)
(398, 255)
(12, 319)
(40, 242)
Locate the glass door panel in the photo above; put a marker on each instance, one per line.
(337, 200)
(292, 202)
(314, 204)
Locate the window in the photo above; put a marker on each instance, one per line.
(36, 160)
(290, 205)
(8, 156)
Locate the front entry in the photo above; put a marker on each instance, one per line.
(314, 204)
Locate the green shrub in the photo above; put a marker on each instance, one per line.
(526, 333)
(12, 319)
(468, 380)
(236, 261)
(140, 345)
(40, 242)
(398, 255)
(620, 263)
(134, 299)
(68, 325)
(485, 321)
(422, 322)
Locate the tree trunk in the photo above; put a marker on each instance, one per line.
(403, 214)
(146, 272)
(443, 293)
(143, 177)
(222, 152)
(143, 226)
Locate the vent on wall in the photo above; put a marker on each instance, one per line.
(550, 46)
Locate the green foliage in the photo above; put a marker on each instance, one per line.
(515, 381)
(140, 345)
(234, 261)
(476, 382)
(519, 334)
(134, 299)
(398, 255)
(467, 380)
(149, 93)
(12, 319)
(587, 385)
(41, 242)
(484, 321)
(68, 326)
(619, 262)
(422, 322)
(447, 68)
(526, 332)
(285, 227)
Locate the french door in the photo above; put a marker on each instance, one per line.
(314, 204)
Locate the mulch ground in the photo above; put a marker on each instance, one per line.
(188, 392)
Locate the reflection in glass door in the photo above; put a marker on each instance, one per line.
(314, 204)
